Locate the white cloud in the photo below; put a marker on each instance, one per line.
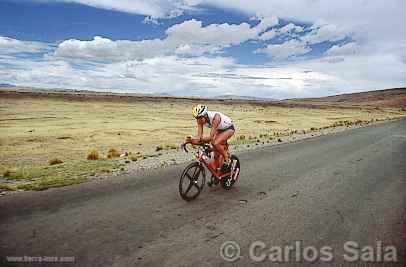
(346, 49)
(197, 50)
(360, 72)
(372, 23)
(210, 76)
(291, 28)
(199, 76)
(356, 16)
(225, 34)
(266, 23)
(324, 33)
(104, 49)
(187, 38)
(285, 50)
(191, 60)
(268, 35)
(192, 31)
(12, 46)
(151, 20)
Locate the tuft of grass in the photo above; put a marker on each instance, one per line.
(55, 161)
(64, 137)
(171, 146)
(151, 156)
(6, 187)
(113, 153)
(135, 158)
(93, 155)
(7, 173)
(241, 137)
(15, 174)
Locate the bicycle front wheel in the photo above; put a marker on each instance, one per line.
(192, 181)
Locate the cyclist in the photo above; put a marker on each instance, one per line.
(222, 129)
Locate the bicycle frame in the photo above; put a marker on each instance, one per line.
(200, 157)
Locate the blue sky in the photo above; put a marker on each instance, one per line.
(204, 48)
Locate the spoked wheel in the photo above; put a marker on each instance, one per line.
(228, 181)
(192, 181)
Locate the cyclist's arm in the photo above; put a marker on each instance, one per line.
(199, 138)
(199, 130)
(197, 141)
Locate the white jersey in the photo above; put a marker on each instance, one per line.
(225, 122)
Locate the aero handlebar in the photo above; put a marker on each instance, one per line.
(205, 146)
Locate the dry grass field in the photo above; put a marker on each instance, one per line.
(45, 141)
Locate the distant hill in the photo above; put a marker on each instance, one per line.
(6, 85)
(395, 97)
(239, 97)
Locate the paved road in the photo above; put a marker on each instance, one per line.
(325, 191)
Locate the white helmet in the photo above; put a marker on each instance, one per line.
(199, 111)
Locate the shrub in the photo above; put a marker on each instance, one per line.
(55, 161)
(64, 137)
(113, 153)
(16, 174)
(93, 155)
(172, 146)
(5, 187)
(241, 137)
(7, 173)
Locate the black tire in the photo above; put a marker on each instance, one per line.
(192, 181)
(229, 181)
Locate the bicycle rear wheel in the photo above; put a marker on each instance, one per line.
(192, 181)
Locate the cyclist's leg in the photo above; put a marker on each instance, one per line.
(217, 159)
(219, 146)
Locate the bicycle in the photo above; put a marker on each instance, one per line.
(203, 160)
